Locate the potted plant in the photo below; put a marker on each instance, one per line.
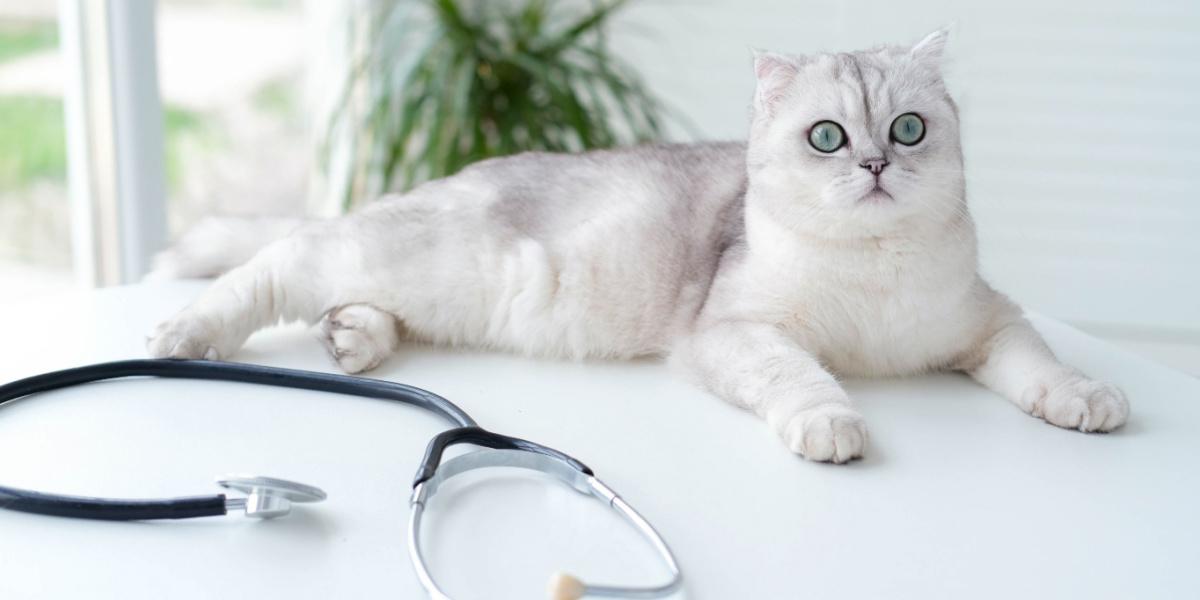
(444, 83)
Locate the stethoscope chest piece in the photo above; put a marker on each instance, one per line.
(267, 497)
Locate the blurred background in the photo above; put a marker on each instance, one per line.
(123, 122)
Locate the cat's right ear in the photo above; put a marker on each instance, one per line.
(774, 73)
(930, 49)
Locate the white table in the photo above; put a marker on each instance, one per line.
(960, 496)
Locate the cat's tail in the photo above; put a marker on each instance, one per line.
(217, 244)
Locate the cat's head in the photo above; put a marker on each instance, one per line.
(855, 144)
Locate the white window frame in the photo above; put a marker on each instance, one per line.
(115, 150)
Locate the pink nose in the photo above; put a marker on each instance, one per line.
(875, 165)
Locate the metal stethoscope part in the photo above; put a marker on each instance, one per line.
(562, 586)
(267, 497)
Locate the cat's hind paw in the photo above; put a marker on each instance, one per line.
(832, 432)
(1080, 403)
(359, 336)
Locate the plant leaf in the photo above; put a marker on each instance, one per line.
(449, 82)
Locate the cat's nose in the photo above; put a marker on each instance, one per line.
(874, 165)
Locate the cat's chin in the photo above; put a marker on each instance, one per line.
(877, 196)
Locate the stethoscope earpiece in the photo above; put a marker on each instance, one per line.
(267, 497)
(565, 587)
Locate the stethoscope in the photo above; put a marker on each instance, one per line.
(267, 497)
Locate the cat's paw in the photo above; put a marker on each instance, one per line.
(184, 336)
(1079, 403)
(832, 432)
(359, 336)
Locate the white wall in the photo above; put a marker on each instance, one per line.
(1080, 125)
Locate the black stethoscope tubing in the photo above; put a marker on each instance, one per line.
(241, 373)
(465, 431)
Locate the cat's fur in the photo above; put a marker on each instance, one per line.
(763, 269)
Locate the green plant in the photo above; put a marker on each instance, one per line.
(181, 126)
(18, 38)
(487, 78)
(33, 143)
(276, 97)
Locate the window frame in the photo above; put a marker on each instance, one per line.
(115, 152)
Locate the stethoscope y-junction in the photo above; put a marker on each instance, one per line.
(266, 497)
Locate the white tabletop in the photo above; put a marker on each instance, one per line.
(960, 496)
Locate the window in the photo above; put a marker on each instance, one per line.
(237, 140)
(35, 225)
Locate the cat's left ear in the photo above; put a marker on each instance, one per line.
(774, 72)
(930, 50)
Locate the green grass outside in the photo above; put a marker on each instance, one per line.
(18, 38)
(276, 98)
(33, 141)
(179, 124)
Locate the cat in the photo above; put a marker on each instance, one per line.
(836, 241)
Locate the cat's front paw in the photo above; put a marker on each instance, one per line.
(1077, 402)
(832, 432)
(184, 336)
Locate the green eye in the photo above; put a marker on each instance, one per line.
(908, 129)
(827, 136)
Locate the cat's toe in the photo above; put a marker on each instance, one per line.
(183, 337)
(1083, 404)
(827, 433)
(353, 351)
(358, 337)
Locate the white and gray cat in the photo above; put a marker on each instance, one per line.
(835, 242)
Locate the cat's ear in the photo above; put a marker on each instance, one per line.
(931, 49)
(773, 72)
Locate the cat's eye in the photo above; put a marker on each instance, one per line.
(908, 129)
(827, 136)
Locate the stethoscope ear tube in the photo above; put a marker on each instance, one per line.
(241, 373)
(83, 507)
